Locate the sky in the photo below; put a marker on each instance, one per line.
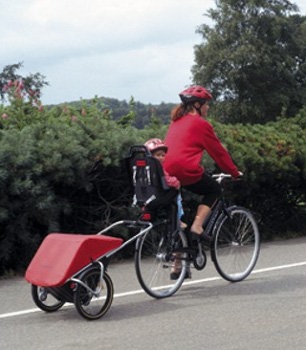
(107, 48)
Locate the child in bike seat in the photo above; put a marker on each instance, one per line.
(158, 149)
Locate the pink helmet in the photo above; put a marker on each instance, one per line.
(195, 94)
(154, 145)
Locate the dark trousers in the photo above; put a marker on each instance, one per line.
(206, 187)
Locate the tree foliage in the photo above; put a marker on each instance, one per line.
(15, 87)
(253, 59)
(133, 112)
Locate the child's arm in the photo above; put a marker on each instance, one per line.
(172, 181)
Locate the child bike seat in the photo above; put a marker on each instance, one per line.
(148, 180)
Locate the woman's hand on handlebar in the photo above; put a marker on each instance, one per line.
(220, 177)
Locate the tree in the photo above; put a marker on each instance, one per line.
(15, 86)
(254, 59)
(128, 118)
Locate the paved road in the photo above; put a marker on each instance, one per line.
(266, 311)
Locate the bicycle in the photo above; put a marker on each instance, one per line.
(234, 248)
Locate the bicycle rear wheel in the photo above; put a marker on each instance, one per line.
(236, 244)
(89, 305)
(159, 257)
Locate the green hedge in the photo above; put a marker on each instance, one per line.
(273, 159)
(60, 171)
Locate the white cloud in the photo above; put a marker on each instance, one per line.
(116, 48)
(155, 70)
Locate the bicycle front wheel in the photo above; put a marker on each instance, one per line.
(236, 244)
(161, 261)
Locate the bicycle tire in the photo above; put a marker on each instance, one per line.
(88, 305)
(45, 300)
(236, 244)
(155, 260)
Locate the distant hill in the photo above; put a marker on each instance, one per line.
(144, 112)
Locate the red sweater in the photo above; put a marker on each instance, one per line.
(187, 138)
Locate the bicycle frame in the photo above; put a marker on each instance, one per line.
(217, 209)
(212, 218)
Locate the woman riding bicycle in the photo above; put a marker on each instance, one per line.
(188, 136)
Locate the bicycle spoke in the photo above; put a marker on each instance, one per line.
(157, 258)
(236, 245)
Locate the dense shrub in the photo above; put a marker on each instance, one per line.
(272, 157)
(52, 165)
(60, 170)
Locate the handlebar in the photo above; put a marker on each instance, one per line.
(220, 177)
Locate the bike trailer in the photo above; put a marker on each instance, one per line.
(61, 256)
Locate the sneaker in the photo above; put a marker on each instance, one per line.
(176, 275)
